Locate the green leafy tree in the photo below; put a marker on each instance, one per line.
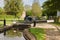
(13, 7)
(49, 13)
(29, 12)
(36, 9)
(51, 7)
(1, 11)
(52, 4)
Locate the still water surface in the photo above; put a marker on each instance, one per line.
(12, 36)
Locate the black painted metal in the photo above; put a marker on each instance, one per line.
(15, 26)
(4, 26)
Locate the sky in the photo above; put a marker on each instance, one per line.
(29, 2)
(26, 2)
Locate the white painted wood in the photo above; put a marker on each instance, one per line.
(50, 21)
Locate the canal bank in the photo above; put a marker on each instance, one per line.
(28, 36)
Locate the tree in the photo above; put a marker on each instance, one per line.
(49, 13)
(1, 11)
(36, 9)
(27, 7)
(51, 6)
(13, 7)
(29, 12)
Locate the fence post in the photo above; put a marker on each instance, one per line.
(4, 26)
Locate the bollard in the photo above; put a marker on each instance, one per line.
(4, 26)
(34, 21)
(34, 24)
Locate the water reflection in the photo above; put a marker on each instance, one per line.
(12, 35)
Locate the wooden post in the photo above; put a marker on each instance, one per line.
(4, 26)
(34, 24)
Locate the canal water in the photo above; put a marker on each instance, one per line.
(12, 35)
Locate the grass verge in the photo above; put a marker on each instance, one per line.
(38, 33)
(56, 24)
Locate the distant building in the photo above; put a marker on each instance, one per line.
(58, 13)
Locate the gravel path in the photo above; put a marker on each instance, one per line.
(52, 33)
(44, 25)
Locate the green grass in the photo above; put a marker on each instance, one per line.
(8, 22)
(9, 19)
(57, 24)
(38, 32)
